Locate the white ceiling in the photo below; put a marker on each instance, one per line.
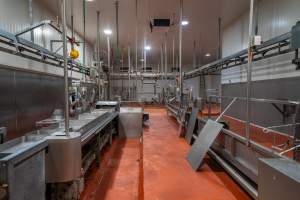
(202, 14)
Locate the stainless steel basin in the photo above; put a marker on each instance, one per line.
(2, 155)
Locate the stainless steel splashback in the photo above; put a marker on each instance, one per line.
(26, 98)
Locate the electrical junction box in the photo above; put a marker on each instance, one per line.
(257, 40)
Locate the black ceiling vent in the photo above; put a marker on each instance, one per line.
(161, 22)
(160, 25)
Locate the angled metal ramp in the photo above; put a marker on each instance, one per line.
(202, 144)
(191, 125)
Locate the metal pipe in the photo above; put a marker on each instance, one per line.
(31, 19)
(161, 60)
(100, 87)
(166, 54)
(98, 52)
(65, 54)
(173, 52)
(129, 72)
(194, 55)
(282, 102)
(180, 52)
(255, 146)
(226, 109)
(145, 57)
(117, 21)
(72, 20)
(290, 149)
(136, 41)
(249, 73)
(219, 38)
(84, 33)
(109, 69)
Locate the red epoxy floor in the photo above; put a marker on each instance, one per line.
(164, 173)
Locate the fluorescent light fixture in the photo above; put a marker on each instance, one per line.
(207, 55)
(147, 48)
(185, 23)
(107, 32)
(89, 0)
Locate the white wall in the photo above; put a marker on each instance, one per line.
(275, 17)
(14, 16)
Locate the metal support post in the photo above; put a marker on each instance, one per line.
(173, 52)
(166, 55)
(109, 69)
(249, 73)
(219, 38)
(98, 53)
(65, 54)
(84, 34)
(129, 71)
(117, 21)
(31, 19)
(136, 44)
(180, 52)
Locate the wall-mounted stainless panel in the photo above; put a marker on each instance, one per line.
(7, 102)
(27, 98)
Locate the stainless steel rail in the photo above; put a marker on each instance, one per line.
(284, 102)
(273, 47)
(12, 44)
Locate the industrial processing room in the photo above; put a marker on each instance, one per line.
(149, 100)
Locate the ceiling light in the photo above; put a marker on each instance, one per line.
(185, 23)
(147, 48)
(107, 32)
(89, 0)
(207, 55)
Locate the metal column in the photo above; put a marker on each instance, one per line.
(180, 52)
(31, 20)
(109, 69)
(194, 55)
(136, 44)
(219, 38)
(84, 42)
(117, 21)
(249, 73)
(129, 71)
(65, 54)
(173, 52)
(98, 53)
(166, 55)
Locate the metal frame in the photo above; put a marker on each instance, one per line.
(270, 101)
(13, 44)
(273, 47)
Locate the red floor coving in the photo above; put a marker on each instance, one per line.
(156, 169)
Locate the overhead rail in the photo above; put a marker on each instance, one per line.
(15, 45)
(273, 47)
(146, 75)
(276, 101)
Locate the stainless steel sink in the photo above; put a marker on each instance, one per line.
(2, 155)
